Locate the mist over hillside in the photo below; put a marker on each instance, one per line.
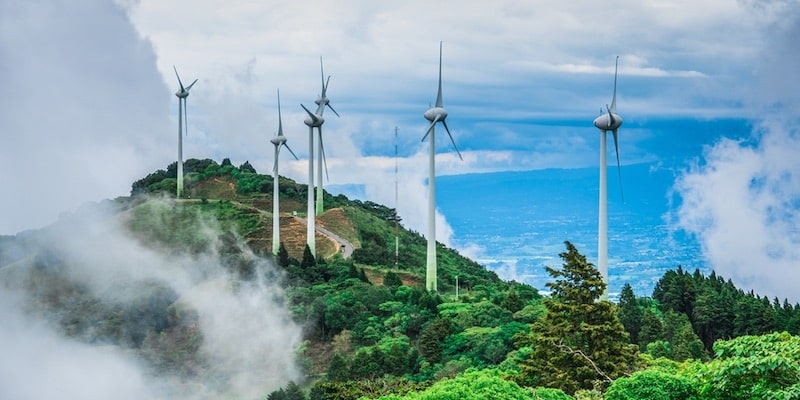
(99, 311)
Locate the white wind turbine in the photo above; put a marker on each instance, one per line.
(434, 114)
(609, 121)
(315, 120)
(182, 94)
(278, 141)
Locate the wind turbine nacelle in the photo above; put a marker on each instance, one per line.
(278, 140)
(604, 122)
(182, 94)
(314, 122)
(435, 113)
(321, 101)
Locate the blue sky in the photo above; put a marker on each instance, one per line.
(87, 90)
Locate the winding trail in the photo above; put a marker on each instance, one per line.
(345, 247)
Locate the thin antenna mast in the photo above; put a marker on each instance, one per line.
(396, 202)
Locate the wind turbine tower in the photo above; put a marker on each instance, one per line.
(278, 141)
(434, 114)
(315, 120)
(609, 121)
(182, 94)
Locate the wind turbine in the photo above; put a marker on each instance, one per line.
(182, 94)
(278, 141)
(322, 101)
(434, 114)
(609, 121)
(315, 120)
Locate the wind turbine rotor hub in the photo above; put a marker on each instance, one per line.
(278, 140)
(314, 123)
(604, 123)
(436, 113)
(182, 94)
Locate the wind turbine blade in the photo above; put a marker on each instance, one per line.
(185, 117)
(290, 151)
(313, 116)
(611, 119)
(614, 99)
(439, 96)
(451, 139)
(430, 128)
(179, 77)
(619, 169)
(188, 88)
(280, 123)
(322, 77)
(325, 86)
(322, 149)
(334, 111)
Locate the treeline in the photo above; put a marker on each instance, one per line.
(689, 312)
(246, 179)
(395, 341)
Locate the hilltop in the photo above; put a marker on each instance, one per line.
(243, 197)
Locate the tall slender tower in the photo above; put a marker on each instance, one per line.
(609, 121)
(278, 141)
(315, 120)
(396, 202)
(182, 94)
(434, 114)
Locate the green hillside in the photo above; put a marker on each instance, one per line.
(155, 272)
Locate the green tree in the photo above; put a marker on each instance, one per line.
(684, 341)
(283, 256)
(246, 167)
(309, 261)
(487, 384)
(430, 343)
(652, 328)
(338, 370)
(676, 291)
(550, 394)
(580, 343)
(293, 392)
(752, 367)
(651, 385)
(392, 280)
(512, 302)
(630, 314)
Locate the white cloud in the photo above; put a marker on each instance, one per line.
(742, 203)
(83, 108)
(743, 200)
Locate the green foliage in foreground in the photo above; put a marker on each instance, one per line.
(487, 384)
(652, 385)
(752, 367)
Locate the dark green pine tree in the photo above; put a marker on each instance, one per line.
(309, 261)
(392, 280)
(338, 371)
(512, 302)
(630, 314)
(652, 329)
(580, 343)
(293, 392)
(283, 256)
